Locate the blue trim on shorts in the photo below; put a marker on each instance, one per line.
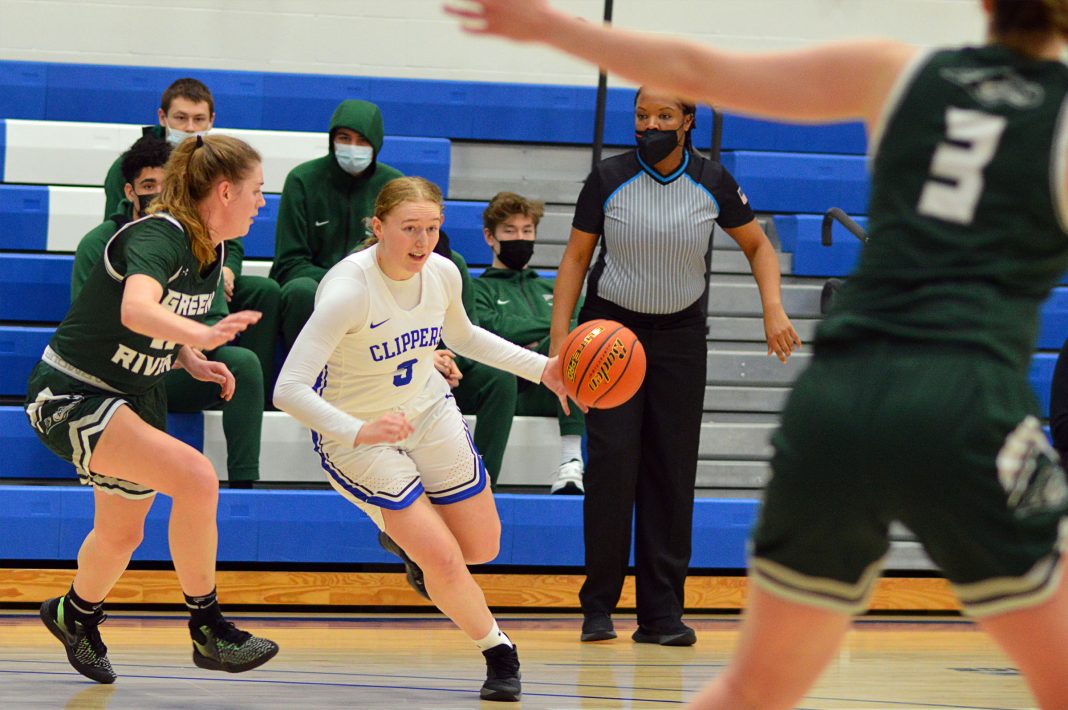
(349, 485)
(358, 491)
(480, 474)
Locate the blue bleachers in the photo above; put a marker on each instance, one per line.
(49, 523)
(21, 347)
(799, 234)
(457, 110)
(26, 457)
(797, 182)
(35, 287)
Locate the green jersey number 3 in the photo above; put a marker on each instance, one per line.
(956, 178)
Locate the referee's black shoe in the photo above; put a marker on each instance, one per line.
(85, 649)
(502, 674)
(681, 635)
(414, 574)
(597, 627)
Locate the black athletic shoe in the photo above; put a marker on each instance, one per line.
(502, 675)
(85, 650)
(597, 627)
(414, 574)
(683, 635)
(221, 646)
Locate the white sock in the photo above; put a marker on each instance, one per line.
(570, 448)
(495, 637)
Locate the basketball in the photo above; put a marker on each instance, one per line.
(603, 364)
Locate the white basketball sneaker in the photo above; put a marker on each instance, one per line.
(569, 479)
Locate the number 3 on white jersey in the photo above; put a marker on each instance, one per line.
(952, 193)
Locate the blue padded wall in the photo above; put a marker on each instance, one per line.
(23, 217)
(20, 349)
(35, 287)
(794, 182)
(3, 148)
(799, 234)
(111, 94)
(282, 526)
(26, 457)
(411, 107)
(1053, 320)
(23, 86)
(1041, 378)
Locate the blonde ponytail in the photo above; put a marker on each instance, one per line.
(192, 170)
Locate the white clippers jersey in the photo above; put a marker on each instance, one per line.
(361, 354)
(386, 364)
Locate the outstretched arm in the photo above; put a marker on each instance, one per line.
(828, 82)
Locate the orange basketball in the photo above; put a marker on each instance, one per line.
(603, 364)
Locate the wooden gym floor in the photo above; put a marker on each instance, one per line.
(420, 661)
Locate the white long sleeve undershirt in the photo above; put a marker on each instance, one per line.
(342, 313)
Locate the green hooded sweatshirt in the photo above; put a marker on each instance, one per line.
(516, 305)
(323, 213)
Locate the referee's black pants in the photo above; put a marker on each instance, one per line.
(642, 466)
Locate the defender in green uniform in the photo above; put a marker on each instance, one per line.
(96, 399)
(916, 406)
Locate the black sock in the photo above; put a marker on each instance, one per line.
(203, 610)
(77, 608)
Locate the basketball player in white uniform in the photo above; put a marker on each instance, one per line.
(361, 376)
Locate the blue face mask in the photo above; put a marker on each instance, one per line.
(354, 159)
(175, 137)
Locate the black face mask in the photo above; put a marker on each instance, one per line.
(144, 201)
(654, 146)
(515, 253)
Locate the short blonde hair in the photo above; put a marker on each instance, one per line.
(400, 190)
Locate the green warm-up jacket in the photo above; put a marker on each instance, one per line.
(323, 213)
(516, 305)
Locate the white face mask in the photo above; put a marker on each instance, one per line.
(354, 159)
(175, 137)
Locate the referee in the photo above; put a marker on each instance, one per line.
(655, 209)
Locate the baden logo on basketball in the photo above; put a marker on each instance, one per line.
(603, 370)
(602, 363)
(572, 362)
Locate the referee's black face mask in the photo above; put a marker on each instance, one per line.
(655, 145)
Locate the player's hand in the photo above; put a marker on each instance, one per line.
(201, 368)
(520, 20)
(387, 429)
(227, 329)
(554, 380)
(228, 283)
(445, 363)
(781, 336)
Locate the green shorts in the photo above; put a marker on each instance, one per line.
(945, 440)
(70, 415)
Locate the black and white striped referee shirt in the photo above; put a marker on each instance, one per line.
(657, 229)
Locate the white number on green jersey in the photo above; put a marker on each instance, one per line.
(956, 183)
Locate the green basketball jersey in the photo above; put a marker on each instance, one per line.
(968, 214)
(93, 345)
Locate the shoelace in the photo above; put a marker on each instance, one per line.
(504, 666)
(92, 635)
(226, 631)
